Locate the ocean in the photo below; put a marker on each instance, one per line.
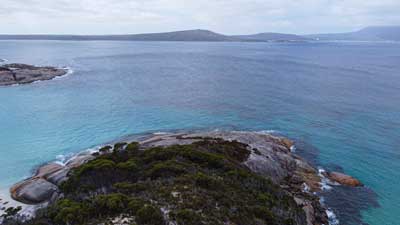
(340, 102)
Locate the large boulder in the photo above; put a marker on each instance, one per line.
(43, 185)
(58, 177)
(344, 179)
(33, 191)
(47, 170)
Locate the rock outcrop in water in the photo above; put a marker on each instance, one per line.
(202, 178)
(23, 74)
(343, 179)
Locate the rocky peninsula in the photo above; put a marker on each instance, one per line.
(17, 73)
(188, 178)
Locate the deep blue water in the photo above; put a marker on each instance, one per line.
(340, 101)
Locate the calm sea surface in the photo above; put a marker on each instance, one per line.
(339, 101)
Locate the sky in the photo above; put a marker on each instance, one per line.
(223, 16)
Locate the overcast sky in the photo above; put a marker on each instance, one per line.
(225, 16)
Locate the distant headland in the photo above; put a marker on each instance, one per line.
(375, 33)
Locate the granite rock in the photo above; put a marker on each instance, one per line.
(23, 74)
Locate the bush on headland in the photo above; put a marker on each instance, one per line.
(200, 183)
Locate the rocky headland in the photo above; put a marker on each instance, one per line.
(17, 73)
(202, 178)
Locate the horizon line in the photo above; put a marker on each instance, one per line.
(198, 29)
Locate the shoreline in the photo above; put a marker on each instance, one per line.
(148, 138)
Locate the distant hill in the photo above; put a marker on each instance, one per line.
(187, 35)
(388, 33)
(375, 33)
(271, 37)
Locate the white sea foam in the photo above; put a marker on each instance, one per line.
(62, 159)
(85, 152)
(160, 133)
(36, 81)
(267, 132)
(69, 72)
(332, 218)
(65, 159)
(306, 188)
(326, 184)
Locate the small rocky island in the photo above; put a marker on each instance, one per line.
(17, 73)
(234, 178)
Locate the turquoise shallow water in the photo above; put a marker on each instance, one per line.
(340, 101)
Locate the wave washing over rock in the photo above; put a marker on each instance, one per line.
(219, 177)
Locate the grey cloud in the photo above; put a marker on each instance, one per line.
(229, 16)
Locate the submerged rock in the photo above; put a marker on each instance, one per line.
(23, 74)
(344, 179)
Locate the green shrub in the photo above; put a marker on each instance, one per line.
(111, 203)
(129, 165)
(263, 213)
(127, 187)
(70, 212)
(205, 158)
(96, 164)
(265, 199)
(119, 146)
(105, 149)
(135, 204)
(232, 149)
(149, 215)
(166, 169)
(187, 217)
(188, 152)
(132, 147)
(206, 181)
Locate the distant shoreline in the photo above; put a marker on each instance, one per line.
(380, 33)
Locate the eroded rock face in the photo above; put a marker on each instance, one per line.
(344, 179)
(23, 74)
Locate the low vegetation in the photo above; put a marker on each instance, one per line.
(202, 183)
